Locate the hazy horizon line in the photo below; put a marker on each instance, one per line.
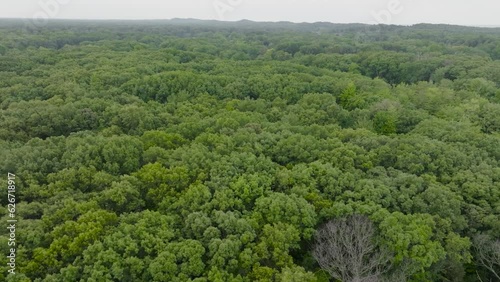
(240, 20)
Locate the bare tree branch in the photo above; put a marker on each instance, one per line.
(345, 249)
(488, 253)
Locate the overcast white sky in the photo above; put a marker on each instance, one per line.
(405, 12)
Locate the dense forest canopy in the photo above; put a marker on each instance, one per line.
(190, 150)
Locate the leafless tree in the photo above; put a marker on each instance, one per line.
(488, 253)
(345, 248)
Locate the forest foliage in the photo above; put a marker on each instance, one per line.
(206, 151)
